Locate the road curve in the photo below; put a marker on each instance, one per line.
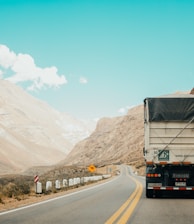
(122, 200)
(93, 205)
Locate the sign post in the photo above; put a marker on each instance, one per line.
(36, 178)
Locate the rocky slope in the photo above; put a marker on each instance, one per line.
(115, 140)
(31, 132)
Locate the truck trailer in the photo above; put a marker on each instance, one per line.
(169, 144)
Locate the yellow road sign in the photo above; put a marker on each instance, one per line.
(92, 168)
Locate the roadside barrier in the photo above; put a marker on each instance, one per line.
(68, 183)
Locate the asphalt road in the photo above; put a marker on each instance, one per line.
(171, 209)
(122, 200)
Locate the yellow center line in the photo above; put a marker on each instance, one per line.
(133, 199)
(133, 205)
(121, 209)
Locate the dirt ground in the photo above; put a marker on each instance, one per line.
(11, 203)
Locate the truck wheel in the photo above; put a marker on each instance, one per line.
(149, 193)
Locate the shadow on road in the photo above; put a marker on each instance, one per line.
(174, 195)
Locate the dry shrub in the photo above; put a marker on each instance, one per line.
(1, 200)
(15, 189)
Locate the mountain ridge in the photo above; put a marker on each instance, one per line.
(33, 133)
(115, 140)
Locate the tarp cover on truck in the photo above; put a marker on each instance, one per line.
(170, 109)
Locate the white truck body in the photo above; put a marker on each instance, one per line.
(169, 143)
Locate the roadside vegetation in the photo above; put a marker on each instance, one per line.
(18, 188)
(15, 187)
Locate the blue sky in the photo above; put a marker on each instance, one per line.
(96, 58)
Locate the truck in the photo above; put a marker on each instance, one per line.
(169, 144)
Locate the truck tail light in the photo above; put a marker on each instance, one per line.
(153, 175)
(181, 179)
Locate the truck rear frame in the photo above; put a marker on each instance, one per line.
(169, 144)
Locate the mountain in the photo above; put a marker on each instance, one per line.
(115, 140)
(32, 133)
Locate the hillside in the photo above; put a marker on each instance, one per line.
(115, 140)
(32, 133)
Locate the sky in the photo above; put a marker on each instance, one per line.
(97, 58)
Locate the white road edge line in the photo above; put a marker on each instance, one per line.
(57, 198)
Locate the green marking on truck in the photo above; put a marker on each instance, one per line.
(163, 155)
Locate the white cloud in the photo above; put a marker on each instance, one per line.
(25, 69)
(7, 57)
(83, 80)
(1, 74)
(122, 111)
